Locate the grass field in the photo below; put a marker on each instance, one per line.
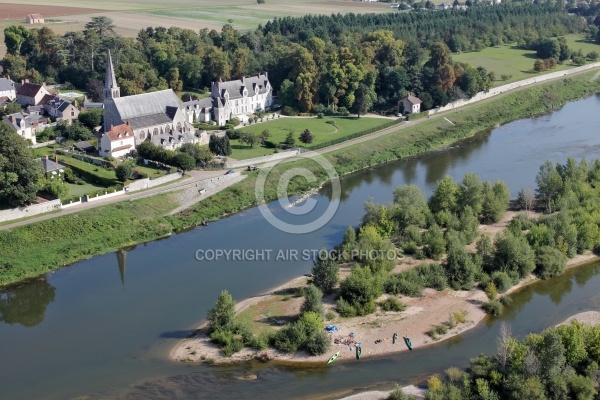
(321, 130)
(510, 60)
(80, 190)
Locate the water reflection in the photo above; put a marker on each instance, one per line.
(26, 305)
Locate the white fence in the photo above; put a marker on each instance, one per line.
(22, 212)
(260, 160)
(511, 86)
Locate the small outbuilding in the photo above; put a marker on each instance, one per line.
(34, 19)
(409, 104)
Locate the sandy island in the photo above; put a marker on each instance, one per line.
(433, 308)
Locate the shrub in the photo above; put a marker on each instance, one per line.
(289, 111)
(502, 281)
(124, 172)
(260, 341)
(505, 300)
(329, 315)
(491, 291)
(493, 307)
(408, 283)
(441, 329)
(397, 394)
(345, 309)
(549, 262)
(410, 248)
(318, 344)
(313, 300)
(289, 339)
(392, 304)
(433, 276)
(460, 317)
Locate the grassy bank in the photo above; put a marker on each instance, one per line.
(37, 248)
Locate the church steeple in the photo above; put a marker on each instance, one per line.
(111, 90)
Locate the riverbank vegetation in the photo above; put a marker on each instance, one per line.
(558, 363)
(445, 232)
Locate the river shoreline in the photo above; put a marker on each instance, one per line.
(375, 332)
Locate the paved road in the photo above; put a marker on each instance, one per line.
(196, 176)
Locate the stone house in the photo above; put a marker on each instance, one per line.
(62, 110)
(34, 19)
(117, 142)
(7, 89)
(409, 104)
(32, 94)
(26, 126)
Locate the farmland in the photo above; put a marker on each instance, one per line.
(133, 15)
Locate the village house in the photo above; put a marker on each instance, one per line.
(7, 89)
(32, 94)
(409, 104)
(52, 169)
(26, 126)
(117, 141)
(157, 116)
(231, 99)
(34, 19)
(445, 6)
(62, 110)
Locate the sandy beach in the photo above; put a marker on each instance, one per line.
(373, 332)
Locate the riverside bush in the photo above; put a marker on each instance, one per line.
(502, 281)
(392, 304)
(493, 307)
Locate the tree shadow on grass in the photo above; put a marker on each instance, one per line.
(278, 320)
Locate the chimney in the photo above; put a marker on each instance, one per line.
(44, 84)
(12, 119)
(27, 80)
(56, 159)
(46, 156)
(243, 80)
(127, 123)
(22, 82)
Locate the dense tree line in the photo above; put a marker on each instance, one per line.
(448, 221)
(558, 363)
(351, 62)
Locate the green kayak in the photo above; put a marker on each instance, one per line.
(408, 343)
(333, 357)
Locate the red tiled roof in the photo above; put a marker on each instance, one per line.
(119, 132)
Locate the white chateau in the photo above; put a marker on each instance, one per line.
(232, 99)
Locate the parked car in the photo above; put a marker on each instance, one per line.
(229, 172)
(251, 168)
(398, 114)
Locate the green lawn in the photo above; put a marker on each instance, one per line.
(91, 168)
(321, 130)
(150, 171)
(80, 190)
(510, 60)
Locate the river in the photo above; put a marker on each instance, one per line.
(103, 327)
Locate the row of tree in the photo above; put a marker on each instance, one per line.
(351, 61)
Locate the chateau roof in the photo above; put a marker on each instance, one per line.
(254, 84)
(146, 104)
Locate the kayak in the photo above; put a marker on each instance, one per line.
(333, 357)
(408, 343)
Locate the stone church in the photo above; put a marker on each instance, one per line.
(156, 116)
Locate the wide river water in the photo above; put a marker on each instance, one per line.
(102, 328)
